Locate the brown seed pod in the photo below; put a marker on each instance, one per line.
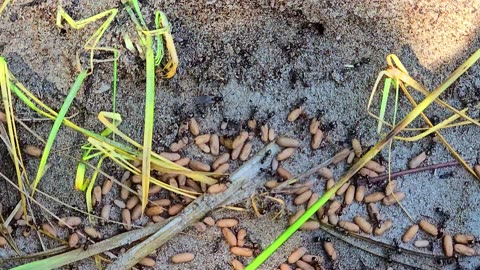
(222, 159)
(214, 145)
(349, 226)
(312, 199)
(134, 200)
(246, 150)
(230, 237)
(464, 250)
(148, 262)
(293, 115)
(303, 198)
(73, 240)
(421, 243)
(343, 189)
(374, 197)
(285, 266)
(199, 166)
(216, 188)
(209, 221)
(200, 226)
(334, 207)
(330, 250)
(393, 198)
(183, 161)
(97, 194)
(136, 212)
(314, 124)
(428, 227)
(288, 142)
(367, 173)
(204, 147)
(363, 224)
(310, 225)
(183, 257)
(154, 211)
(107, 186)
(317, 139)
(237, 265)
(105, 213)
(240, 139)
(410, 233)
(297, 254)
(375, 166)
(69, 221)
(325, 173)
(264, 133)
(286, 153)
(349, 194)
(386, 225)
(333, 219)
(49, 229)
(90, 231)
(222, 169)
(202, 139)
(303, 265)
(357, 148)
(33, 151)
(448, 245)
(350, 158)
(295, 216)
(241, 251)
(236, 152)
(329, 184)
(466, 239)
(271, 184)
(373, 212)
(242, 233)
(271, 134)
(284, 173)
(226, 223)
(391, 187)
(194, 127)
(341, 156)
(416, 161)
(175, 209)
(359, 193)
(170, 156)
(124, 192)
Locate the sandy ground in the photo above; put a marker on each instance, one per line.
(269, 55)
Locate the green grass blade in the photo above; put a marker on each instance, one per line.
(56, 126)
(383, 106)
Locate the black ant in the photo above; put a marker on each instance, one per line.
(224, 180)
(396, 244)
(340, 210)
(267, 154)
(389, 256)
(319, 239)
(447, 175)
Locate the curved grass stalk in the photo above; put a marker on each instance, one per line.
(4, 5)
(414, 113)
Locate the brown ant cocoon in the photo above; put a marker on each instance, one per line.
(357, 148)
(69, 221)
(148, 262)
(330, 250)
(293, 115)
(194, 127)
(330, 183)
(325, 172)
(285, 266)
(363, 224)
(410, 233)
(73, 240)
(230, 237)
(271, 134)
(310, 225)
(252, 124)
(465, 239)
(334, 207)
(373, 212)
(288, 142)
(209, 221)
(223, 158)
(302, 198)
(90, 231)
(375, 166)
(314, 124)
(49, 229)
(421, 243)
(416, 161)
(107, 186)
(350, 158)
(284, 173)
(246, 150)
(222, 169)
(264, 133)
(286, 153)
(240, 139)
(177, 146)
(154, 211)
(393, 198)
(317, 139)
(464, 250)
(170, 156)
(312, 199)
(105, 213)
(202, 139)
(385, 226)
(214, 145)
(97, 194)
(200, 226)
(428, 227)
(296, 255)
(342, 189)
(33, 151)
(226, 223)
(205, 148)
(124, 192)
(242, 233)
(448, 245)
(359, 193)
(199, 166)
(295, 216)
(391, 187)
(175, 209)
(374, 197)
(237, 265)
(216, 188)
(241, 251)
(271, 184)
(341, 156)
(136, 212)
(183, 257)
(303, 265)
(367, 173)
(132, 202)
(333, 219)
(349, 226)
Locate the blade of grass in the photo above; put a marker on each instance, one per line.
(4, 5)
(383, 106)
(362, 161)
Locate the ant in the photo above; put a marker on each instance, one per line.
(340, 211)
(396, 244)
(225, 180)
(267, 154)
